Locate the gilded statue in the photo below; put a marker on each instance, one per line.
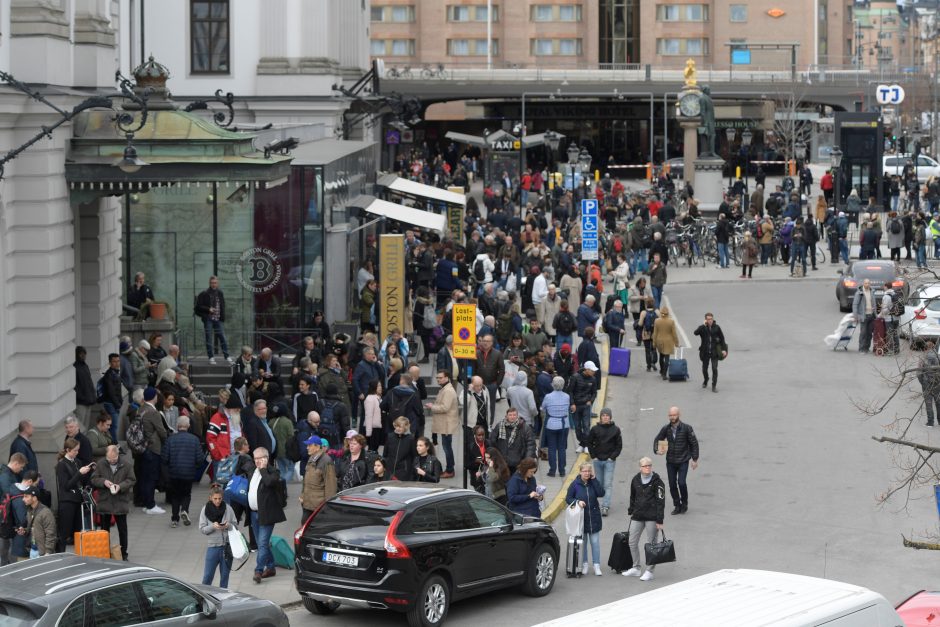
(689, 73)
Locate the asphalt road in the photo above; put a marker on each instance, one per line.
(788, 478)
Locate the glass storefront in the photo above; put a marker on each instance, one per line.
(266, 245)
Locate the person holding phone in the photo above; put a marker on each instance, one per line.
(585, 491)
(215, 520)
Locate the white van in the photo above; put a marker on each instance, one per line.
(926, 166)
(744, 598)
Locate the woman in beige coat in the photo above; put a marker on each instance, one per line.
(445, 418)
(665, 339)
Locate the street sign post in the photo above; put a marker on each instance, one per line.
(589, 227)
(464, 324)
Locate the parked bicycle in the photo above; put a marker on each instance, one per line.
(404, 72)
(437, 71)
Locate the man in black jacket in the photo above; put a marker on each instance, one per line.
(183, 457)
(404, 400)
(85, 395)
(113, 398)
(604, 444)
(210, 306)
(681, 448)
(513, 438)
(582, 389)
(647, 510)
(266, 495)
(712, 349)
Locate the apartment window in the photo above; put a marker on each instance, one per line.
(392, 47)
(550, 47)
(209, 36)
(682, 12)
(470, 13)
(403, 47)
(676, 46)
(399, 13)
(543, 13)
(469, 47)
(569, 13)
(738, 12)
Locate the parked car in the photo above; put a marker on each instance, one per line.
(415, 548)
(68, 590)
(921, 318)
(920, 610)
(878, 271)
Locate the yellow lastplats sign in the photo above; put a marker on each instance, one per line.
(465, 331)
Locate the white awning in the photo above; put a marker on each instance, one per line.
(463, 138)
(538, 139)
(420, 190)
(401, 213)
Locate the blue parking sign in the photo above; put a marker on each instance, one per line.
(589, 229)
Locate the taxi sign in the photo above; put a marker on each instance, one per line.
(465, 331)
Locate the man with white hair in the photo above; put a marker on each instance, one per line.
(172, 360)
(587, 315)
(140, 364)
(615, 324)
(183, 457)
(548, 309)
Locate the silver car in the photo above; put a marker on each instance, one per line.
(67, 590)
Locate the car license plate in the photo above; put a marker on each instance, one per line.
(340, 560)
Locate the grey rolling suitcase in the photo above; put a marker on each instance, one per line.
(573, 556)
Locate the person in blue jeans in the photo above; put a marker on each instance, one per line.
(584, 492)
(582, 387)
(604, 444)
(264, 501)
(215, 520)
(210, 306)
(555, 434)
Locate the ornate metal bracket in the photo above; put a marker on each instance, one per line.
(221, 118)
(124, 120)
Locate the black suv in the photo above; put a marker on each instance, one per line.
(413, 548)
(67, 590)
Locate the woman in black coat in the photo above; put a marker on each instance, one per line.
(400, 450)
(427, 468)
(353, 468)
(70, 479)
(475, 456)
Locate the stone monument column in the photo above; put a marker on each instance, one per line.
(689, 147)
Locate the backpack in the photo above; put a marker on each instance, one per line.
(99, 390)
(479, 270)
(327, 417)
(618, 245)
(895, 226)
(760, 231)
(225, 469)
(504, 327)
(436, 339)
(897, 306)
(136, 440)
(429, 320)
(566, 323)
(648, 321)
(293, 448)
(7, 521)
(842, 226)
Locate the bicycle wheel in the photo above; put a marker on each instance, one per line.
(736, 254)
(427, 74)
(674, 254)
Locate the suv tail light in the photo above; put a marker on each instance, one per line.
(919, 314)
(395, 548)
(303, 528)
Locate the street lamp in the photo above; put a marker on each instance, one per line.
(573, 153)
(552, 139)
(835, 160)
(730, 133)
(746, 137)
(584, 158)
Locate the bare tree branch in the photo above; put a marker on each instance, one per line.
(914, 445)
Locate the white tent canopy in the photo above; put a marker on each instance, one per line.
(401, 213)
(420, 190)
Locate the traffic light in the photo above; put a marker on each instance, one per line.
(902, 144)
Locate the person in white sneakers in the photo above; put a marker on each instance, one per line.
(647, 509)
(585, 491)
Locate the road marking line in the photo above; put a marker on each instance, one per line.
(685, 338)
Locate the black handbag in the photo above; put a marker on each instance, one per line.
(660, 552)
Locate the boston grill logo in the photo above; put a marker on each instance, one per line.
(258, 270)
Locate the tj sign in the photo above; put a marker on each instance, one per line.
(889, 94)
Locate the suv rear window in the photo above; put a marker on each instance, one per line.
(339, 516)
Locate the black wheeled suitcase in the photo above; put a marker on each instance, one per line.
(573, 556)
(620, 559)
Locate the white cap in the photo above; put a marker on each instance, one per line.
(589, 365)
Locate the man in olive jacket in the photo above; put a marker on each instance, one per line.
(265, 492)
(682, 449)
(114, 479)
(155, 434)
(319, 477)
(40, 525)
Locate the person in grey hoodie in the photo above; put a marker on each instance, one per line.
(522, 400)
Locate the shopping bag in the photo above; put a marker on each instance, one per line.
(660, 552)
(238, 544)
(237, 491)
(574, 520)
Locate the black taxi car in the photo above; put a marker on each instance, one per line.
(415, 548)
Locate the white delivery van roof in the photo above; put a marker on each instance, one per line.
(745, 598)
